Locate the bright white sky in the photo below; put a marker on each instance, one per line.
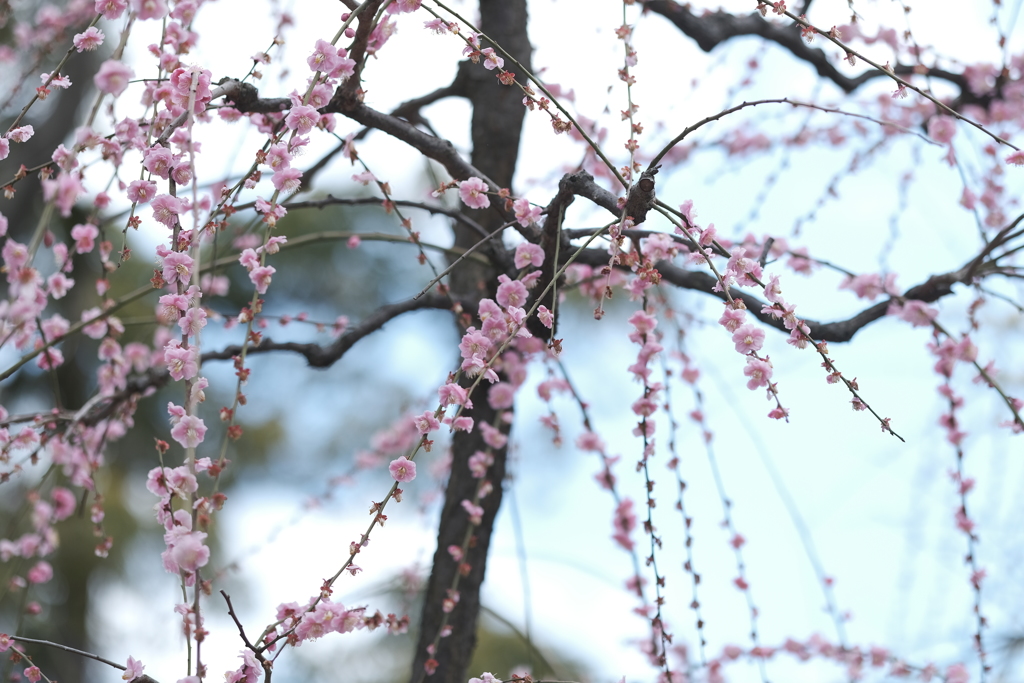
(880, 512)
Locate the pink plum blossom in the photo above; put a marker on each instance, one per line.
(302, 118)
(476, 513)
(193, 321)
(113, 77)
(278, 157)
(426, 423)
(474, 193)
(149, 9)
(759, 371)
(474, 344)
(510, 292)
(158, 161)
(63, 192)
(182, 362)
(133, 670)
(189, 432)
(491, 59)
(402, 6)
(528, 254)
(21, 134)
(177, 267)
(402, 470)
(748, 338)
(166, 209)
(90, 39)
(111, 9)
(501, 395)
(85, 237)
(261, 277)
(453, 394)
(324, 57)
(917, 313)
(732, 318)
(942, 128)
(493, 436)
(249, 259)
(189, 553)
(141, 191)
(526, 213)
(957, 673)
(41, 572)
(286, 179)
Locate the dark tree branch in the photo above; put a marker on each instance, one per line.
(246, 98)
(936, 287)
(319, 356)
(438, 149)
(316, 355)
(331, 200)
(357, 49)
(268, 669)
(582, 184)
(714, 28)
(410, 109)
(933, 289)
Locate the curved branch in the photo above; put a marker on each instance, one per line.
(316, 355)
(438, 149)
(331, 200)
(715, 28)
(933, 289)
(782, 100)
(319, 356)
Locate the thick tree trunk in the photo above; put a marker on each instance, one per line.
(497, 123)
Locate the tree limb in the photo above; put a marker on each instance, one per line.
(933, 289)
(316, 355)
(714, 28)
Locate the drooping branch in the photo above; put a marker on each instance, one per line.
(331, 200)
(316, 355)
(410, 109)
(714, 28)
(319, 356)
(933, 289)
(438, 149)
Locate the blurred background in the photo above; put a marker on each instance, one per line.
(829, 487)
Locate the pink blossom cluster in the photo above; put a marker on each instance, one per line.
(949, 351)
(748, 339)
(320, 617)
(259, 274)
(855, 660)
(503, 318)
(624, 522)
(870, 285)
(186, 550)
(42, 540)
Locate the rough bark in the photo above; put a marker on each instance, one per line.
(496, 126)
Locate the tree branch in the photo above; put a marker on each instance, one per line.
(438, 149)
(324, 356)
(933, 289)
(331, 200)
(316, 355)
(714, 28)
